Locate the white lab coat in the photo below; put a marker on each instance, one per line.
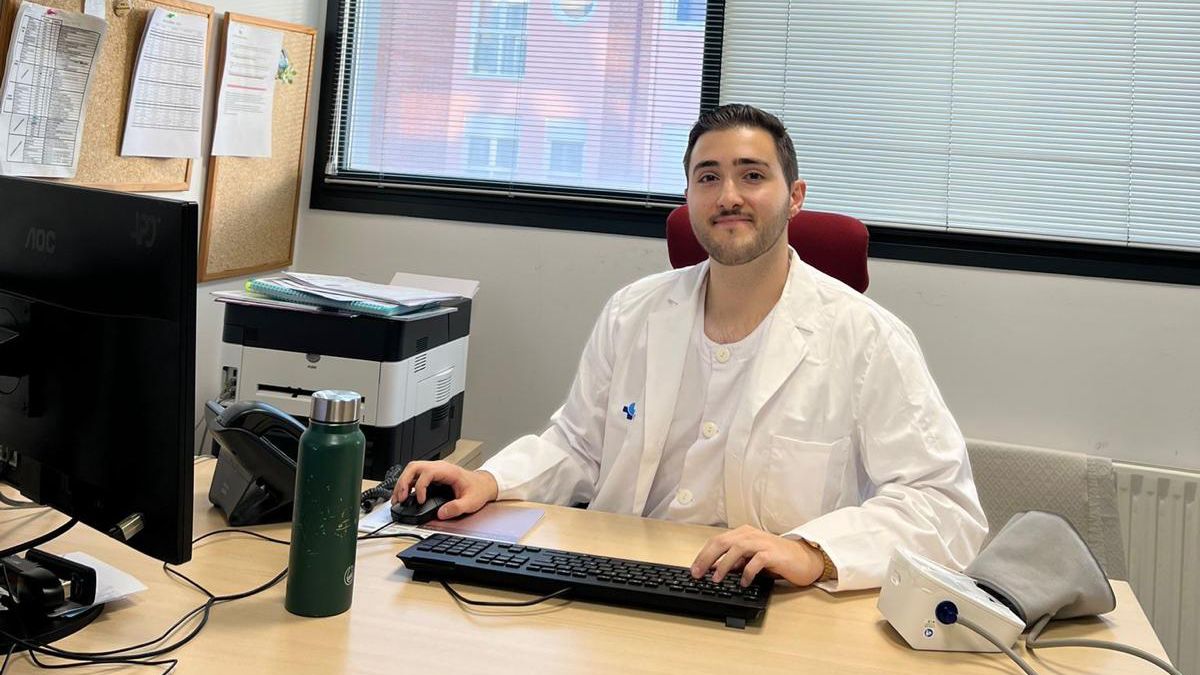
(841, 437)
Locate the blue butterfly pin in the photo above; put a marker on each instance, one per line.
(630, 410)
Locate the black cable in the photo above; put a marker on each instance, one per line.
(123, 655)
(110, 657)
(490, 603)
(169, 663)
(375, 531)
(4, 666)
(234, 530)
(395, 535)
(372, 496)
(374, 534)
(38, 541)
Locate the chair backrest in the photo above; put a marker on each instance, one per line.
(834, 243)
(1083, 489)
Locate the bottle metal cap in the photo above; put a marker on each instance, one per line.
(333, 406)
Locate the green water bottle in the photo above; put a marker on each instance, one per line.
(320, 579)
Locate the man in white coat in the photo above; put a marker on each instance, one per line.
(751, 392)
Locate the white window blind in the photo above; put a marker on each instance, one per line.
(518, 96)
(1065, 120)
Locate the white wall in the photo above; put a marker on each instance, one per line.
(1091, 365)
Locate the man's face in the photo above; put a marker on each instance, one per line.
(738, 199)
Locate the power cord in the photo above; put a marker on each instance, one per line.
(39, 540)
(490, 603)
(131, 655)
(1032, 642)
(14, 641)
(999, 645)
(127, 655)
(450, 589)
(4, 666)
(372, 496)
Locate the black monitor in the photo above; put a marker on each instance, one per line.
(97, 358)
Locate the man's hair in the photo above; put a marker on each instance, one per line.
(736, 115)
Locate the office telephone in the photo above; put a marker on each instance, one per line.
(256, 446)
(255, 478)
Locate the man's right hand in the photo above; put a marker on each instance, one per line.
(472, 489)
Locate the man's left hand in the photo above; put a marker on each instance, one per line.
(752, 551)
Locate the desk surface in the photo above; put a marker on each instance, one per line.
(397, 621)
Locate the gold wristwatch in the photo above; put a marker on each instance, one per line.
(829, 573)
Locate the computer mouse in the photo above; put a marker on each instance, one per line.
(409, 512)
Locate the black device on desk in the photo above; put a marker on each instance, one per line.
(257, 447)
(412, 512)
(255, 478)
(97, 369)
(665, 588)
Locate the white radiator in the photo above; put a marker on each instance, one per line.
(1160, 525)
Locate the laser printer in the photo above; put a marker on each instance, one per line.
(411, 371)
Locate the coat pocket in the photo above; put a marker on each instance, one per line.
(804, 480)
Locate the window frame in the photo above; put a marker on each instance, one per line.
(593, 211)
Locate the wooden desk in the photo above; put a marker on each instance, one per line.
(397, 625)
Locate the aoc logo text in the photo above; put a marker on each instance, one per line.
(41, 240)
(145, 230)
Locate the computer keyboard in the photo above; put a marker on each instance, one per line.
(666, 588)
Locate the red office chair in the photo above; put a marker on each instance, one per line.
(831, 242)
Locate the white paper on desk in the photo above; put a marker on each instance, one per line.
(47, 77)
(382, 515)
(111, 583)
(247, 96)
(166, 100)
(498, 522)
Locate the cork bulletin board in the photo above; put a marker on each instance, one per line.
(100, 161)
(251, 203)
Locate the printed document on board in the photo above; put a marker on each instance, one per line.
(47, 77)
(166, 100)
(247, 97)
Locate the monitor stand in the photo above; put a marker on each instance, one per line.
(41, 631)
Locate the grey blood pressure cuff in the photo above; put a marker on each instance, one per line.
(1038, 565)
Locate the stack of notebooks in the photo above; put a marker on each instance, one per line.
(345, 294)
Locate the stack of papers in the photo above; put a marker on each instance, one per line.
(319, 292)
(401, 295)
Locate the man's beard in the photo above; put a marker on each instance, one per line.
(731, 253)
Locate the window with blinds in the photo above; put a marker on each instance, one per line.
(587, 98)
(1063, 120)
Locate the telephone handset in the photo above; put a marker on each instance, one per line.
(255, 477)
